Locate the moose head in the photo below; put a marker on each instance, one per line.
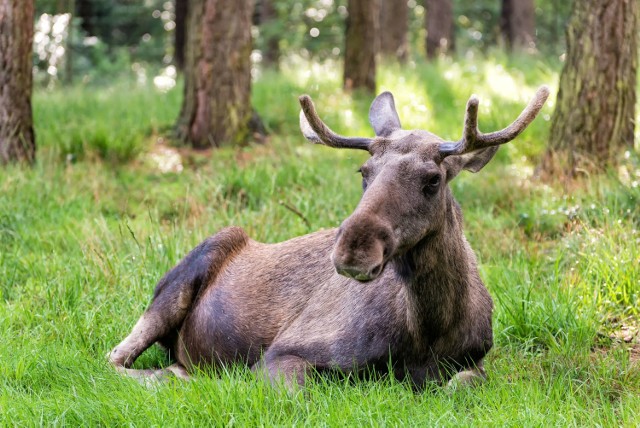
(405, 193)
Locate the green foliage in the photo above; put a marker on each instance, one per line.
(478, 25)
(294, 23)
(117, 23)
(87, 232)
(104, 37)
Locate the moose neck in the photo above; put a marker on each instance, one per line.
(437, 274)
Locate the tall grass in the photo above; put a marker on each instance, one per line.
(86, 233)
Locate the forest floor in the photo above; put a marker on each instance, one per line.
(111, 205)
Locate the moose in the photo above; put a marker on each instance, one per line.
(395, 289)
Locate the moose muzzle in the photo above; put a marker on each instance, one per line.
(363, 246)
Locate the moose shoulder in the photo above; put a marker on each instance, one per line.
(397, 281)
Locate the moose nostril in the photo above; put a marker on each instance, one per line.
(376, 270)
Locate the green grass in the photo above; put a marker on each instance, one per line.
(86, 234)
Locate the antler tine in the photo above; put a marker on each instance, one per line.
(472, 139)
(323, 134)
(469, 133)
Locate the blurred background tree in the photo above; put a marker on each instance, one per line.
(394, 27)
(180, 32)
(518, 25)
(361, 44)
(266, 18)
(439, 26)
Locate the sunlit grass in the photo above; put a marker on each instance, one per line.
(113, 123)
(86, 234)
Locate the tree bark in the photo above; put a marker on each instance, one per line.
(69, 44)
(180, 35)
(594, 119)
(361, 45)
(17, 140)
(394, 25)
(517, 24)
(84, 10)
(267, 20)
(216, 108)
(439, 26)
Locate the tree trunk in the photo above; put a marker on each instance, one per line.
(394, 24)
(68, 54)
(180, 35)
(517, 24)
(593, 122)
(439, 26)
(84, 10)
(17, 141)
(267, 20)
(360, 45)
(216, 108)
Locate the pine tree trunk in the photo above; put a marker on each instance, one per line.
(84, 10)
(17, 141)
(360, 45)
(216, 108)
(593, 122)
(394, 24)
(517, 24)
(439, 26)
(180, 35)
(268, 16)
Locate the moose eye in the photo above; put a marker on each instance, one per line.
(364, 182)
(432, 185)
(364, 179)
(363, 170)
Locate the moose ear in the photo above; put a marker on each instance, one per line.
(383, 116)
(472, 161)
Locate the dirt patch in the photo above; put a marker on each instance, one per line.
(627, 332)
(165, 158)
(634, 354)
(619, 334)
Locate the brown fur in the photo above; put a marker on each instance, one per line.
(417, 300)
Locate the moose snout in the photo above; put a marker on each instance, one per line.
(362, 249)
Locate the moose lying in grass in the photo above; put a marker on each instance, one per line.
(396, 286)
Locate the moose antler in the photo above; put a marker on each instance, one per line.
(316, 131)
(472, 139)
